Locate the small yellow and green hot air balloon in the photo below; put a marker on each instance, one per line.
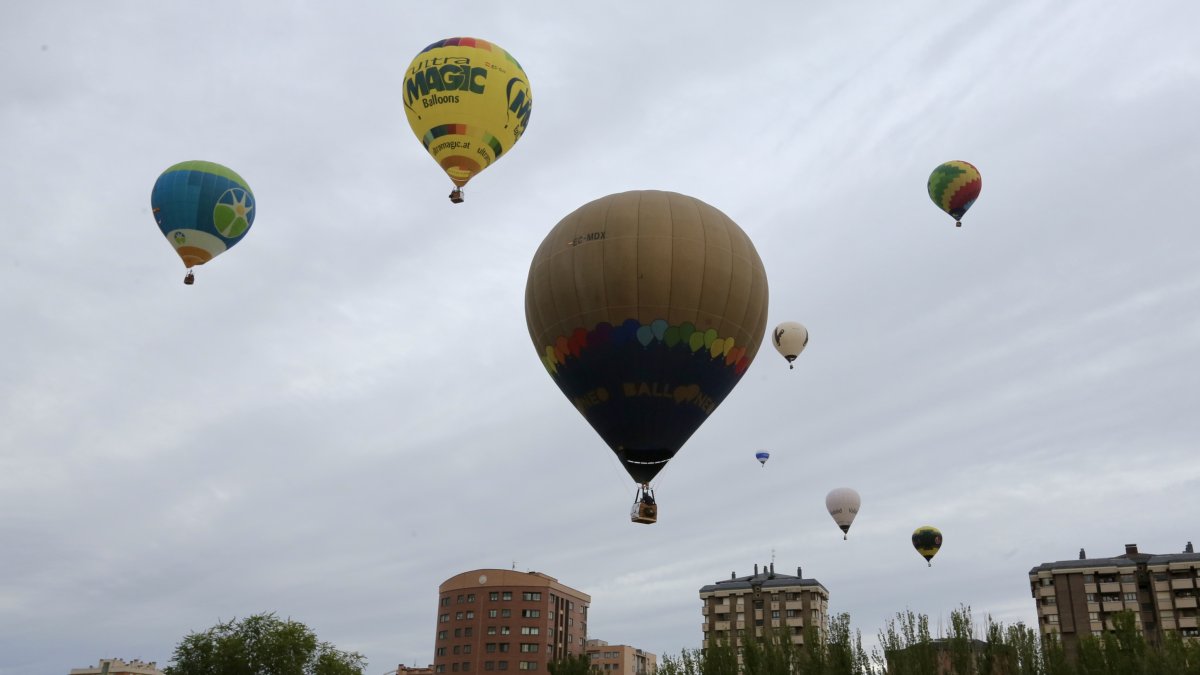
(927, 539)
(468, 101)
(954, 187)
(203, 209)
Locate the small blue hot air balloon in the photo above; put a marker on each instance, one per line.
(762, 456)
(203, 209)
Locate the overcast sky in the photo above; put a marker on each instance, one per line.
(346, 409)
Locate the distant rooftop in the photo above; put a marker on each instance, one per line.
(1130, 557)
(768, 578)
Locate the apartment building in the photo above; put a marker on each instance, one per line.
(620, 659)
(501, 620)
(755, 605)
(1078, 597)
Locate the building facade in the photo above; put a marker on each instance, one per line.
(501, 620)
(620, 659)
(755, 605)
(119, 667)
(414, 670)
(1079, 597)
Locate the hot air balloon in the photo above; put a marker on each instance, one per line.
(762, 456)
(646, 308)
(842, 504)
(954, 187)
(790, 339)
(468, 102)
(927, 539)
(203, 209)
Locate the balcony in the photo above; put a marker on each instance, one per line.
(794, 621)
(1187, 622)
(1112, 606)
(1110, 587)
(721, 626)
(1182, 583)
(793, 604)
(720, 607)
(1185, 603)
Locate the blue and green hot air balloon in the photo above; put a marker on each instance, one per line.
(203, 209)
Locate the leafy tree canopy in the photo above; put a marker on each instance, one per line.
(262, 644)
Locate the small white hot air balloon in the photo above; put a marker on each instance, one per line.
(843, 504)
(790, 339)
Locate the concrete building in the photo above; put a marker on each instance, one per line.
(620, 659)
(753, 606)
(1078, 597)
(119, 667)
(499, 620)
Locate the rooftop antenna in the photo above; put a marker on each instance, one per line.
(514, 564)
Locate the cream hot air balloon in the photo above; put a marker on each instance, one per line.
(646, 308)
(790, 339)
(843, 504)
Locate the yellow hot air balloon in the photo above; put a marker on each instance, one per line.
(468, 101)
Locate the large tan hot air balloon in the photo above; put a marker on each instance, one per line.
(646, 308)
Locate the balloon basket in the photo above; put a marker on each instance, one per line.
(456, 196)
(190, 278)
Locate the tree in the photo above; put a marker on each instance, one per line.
(571, 664)
(262, 644)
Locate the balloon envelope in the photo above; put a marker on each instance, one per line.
(203, 209)
(646, 308)
(790, 339)
(762, 456)
(468, 101)
(927, 539)
(842, 504)
(954, 187)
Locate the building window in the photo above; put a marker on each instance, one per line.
(446, 601)
(468, 631)
(459, 599)
(502, 665)
(528, 647)
(1131, 597)
(470, 615)
(491, 613)
(457, 632)
(1089, 578)
(457, 649)
(506, 613)
(774, 614)
(758, 604)
(490, 648)
(466, 649)
(1091, 597)
(1093, 616)
(470, 597)
(531, 613)
(526, 665)
(491, 630)
(489, 665)
(504, 630)
(441, 651)
(504, 647)
(1049, 581)
(506, 595)
(1049, 600)
(793, 613)
(441, 635)
(458, 616)
(1053, 618)
(1127, 578)
(494, 595)
(527, 595)
(530, 630)
(444, 618)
